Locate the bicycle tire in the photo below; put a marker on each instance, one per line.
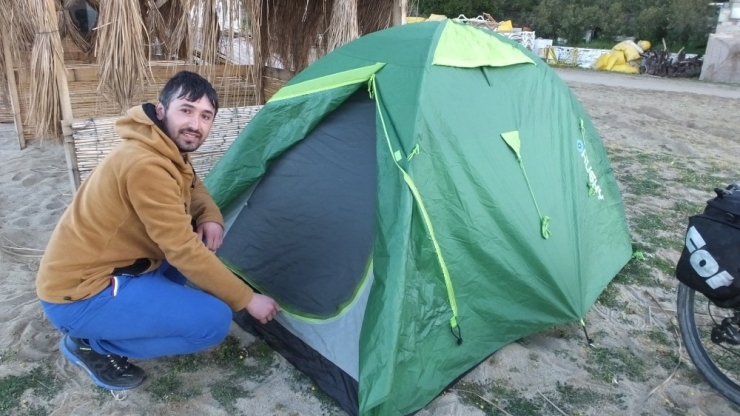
(696, 350)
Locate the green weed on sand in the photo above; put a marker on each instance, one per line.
(42, 383)
(236, 365)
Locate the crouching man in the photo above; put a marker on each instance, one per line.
(112, 278)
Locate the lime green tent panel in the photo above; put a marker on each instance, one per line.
(333, 81)
(464, 48)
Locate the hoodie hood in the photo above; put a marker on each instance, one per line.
(141, 124)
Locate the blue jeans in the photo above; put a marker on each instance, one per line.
(147, 316)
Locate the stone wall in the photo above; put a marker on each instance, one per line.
(729, 18)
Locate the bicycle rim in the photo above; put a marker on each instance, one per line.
(718, 364)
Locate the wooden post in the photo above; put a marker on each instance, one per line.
(398, 15)
(65, 103)
(15, 102)
(67, 119)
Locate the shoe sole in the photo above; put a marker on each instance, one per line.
(75, 360)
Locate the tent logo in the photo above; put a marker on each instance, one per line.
(593, 181)
(703, 262)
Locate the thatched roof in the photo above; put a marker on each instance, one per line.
(128, 35)
(298, 29)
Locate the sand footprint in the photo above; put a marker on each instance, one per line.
(33, 180)
(22, 222)
(54, 205)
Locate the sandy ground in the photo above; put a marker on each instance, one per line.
(670, 141)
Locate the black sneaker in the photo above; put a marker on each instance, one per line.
(111, 371)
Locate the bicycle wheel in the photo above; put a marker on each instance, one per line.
(711, 337)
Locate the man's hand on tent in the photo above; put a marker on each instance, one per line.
(263, 308)
(212, 234)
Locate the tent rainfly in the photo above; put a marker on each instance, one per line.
(415, 200)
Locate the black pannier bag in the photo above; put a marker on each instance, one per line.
(710, 261)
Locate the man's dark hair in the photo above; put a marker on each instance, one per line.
(190, 86)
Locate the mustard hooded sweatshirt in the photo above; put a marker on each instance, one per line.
(133, 211)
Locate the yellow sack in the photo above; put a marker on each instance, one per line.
(413, 19)
(625, 69)
(436, 17)
(619, 57)
(631, 51)
(609, 60)
(505, 26)
(550, 56)
(601, 62)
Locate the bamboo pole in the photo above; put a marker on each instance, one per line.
(398, 15)
(65, 103)
(259, 43)
(15, 102)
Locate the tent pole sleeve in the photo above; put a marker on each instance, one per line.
(420, 203)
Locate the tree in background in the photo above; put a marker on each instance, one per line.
(520, 12)
(646, 19)
(682, 23)
(568, 19)
(454, 8)
(689, 22)
(612, 20)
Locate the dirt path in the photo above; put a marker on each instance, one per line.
(647, 82)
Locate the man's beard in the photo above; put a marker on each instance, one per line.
(183, 147)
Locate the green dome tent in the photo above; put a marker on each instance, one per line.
(416, 200)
